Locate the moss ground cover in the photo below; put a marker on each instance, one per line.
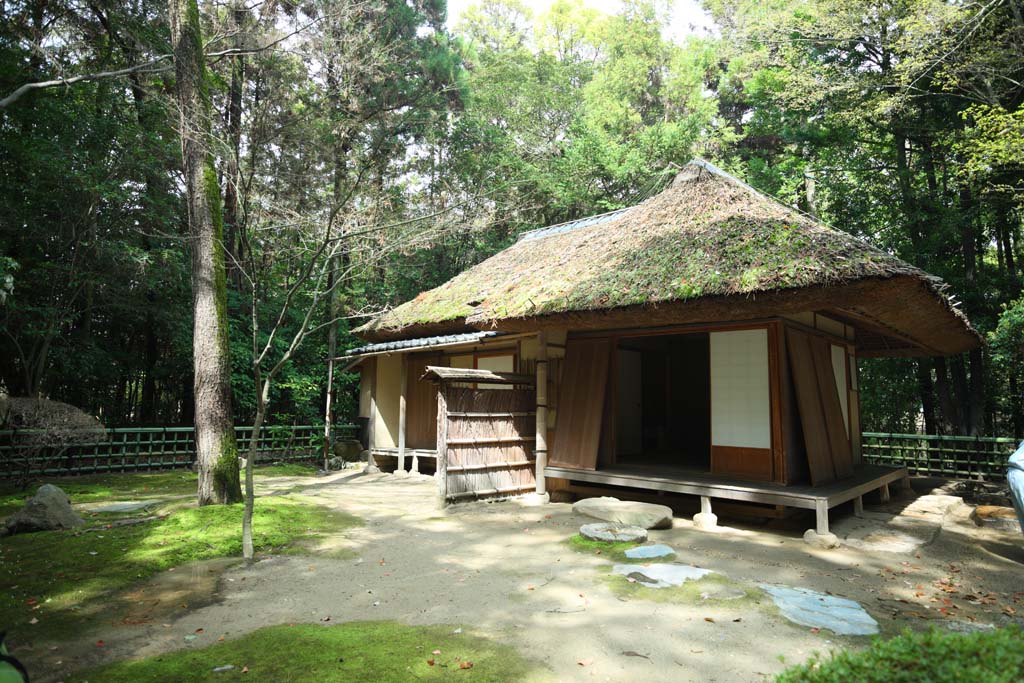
(383, 652)
(65, 579)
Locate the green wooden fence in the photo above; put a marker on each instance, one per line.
(28, 452)
(31, 452)
(956, 457)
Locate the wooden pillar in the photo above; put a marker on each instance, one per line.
(540, 448)
(401, 411)
(705, 505)
(858, 506)
(821, 516)
(371, 427)
(884, 493)
(442, 448)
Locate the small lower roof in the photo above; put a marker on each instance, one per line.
(420, 343)
(475, 376)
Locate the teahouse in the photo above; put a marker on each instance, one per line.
(703, 342)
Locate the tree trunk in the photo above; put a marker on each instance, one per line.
(261, 410)
(950, 411)
(216, 450)
(332, 349)
(924, 387)
(234, 127)
(976, 423)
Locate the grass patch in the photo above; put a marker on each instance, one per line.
(68, 577)
(719, 589)
(384, 652)
(611, 551)
(933, 655)
(92, 488)
(285, 469)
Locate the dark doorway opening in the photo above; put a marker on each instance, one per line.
(663, 401)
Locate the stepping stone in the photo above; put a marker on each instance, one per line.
(613, 533)
(722, 591)
(661, 575)
(124, 506)
(818, 610)
(996, 516)
(649, 551)
(646, 515)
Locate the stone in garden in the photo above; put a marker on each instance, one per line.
(996, 516)
(48, 510)
(649, 551)
(817, 610)
(607, 532)
(336, 463)
(349, 450)
(722, 591)
(123, 506)
(646, 515)
(371, 464)
(661, 575)
(823, 541)
(705, 521)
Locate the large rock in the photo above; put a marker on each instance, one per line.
(996, 516)
(48, 510)
(348, 450)
(632, 513)
(609, 532)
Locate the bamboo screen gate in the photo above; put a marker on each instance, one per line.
(485, 442)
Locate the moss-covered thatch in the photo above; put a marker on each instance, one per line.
(707, 236)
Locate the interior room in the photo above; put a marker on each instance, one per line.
(662, 401)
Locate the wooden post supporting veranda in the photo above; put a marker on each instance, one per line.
(442, 447)
(404, 382)
(371, 428)
(540, 447)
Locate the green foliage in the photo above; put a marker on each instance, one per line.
(898, 123)
(933, 656)
(385, 652)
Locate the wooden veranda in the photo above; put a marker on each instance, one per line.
(821, 499)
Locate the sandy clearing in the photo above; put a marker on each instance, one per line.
(505, 571)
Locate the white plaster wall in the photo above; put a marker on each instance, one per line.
(740, 399)
(389, 385)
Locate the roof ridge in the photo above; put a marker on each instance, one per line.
(576, 223)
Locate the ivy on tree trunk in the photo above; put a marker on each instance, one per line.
(216, 449)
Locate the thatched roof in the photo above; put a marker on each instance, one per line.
(707, 248)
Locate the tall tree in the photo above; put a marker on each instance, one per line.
(216, 450)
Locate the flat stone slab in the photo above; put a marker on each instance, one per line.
(649, 551)
(817, 610)
(661, 575)
(613, 533)
(722, 591)
(122, 506)
(996, 516)
(633, 513)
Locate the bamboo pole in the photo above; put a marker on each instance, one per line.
(401, 411)
(540, 448)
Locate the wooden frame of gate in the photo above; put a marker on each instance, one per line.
(485, 433)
